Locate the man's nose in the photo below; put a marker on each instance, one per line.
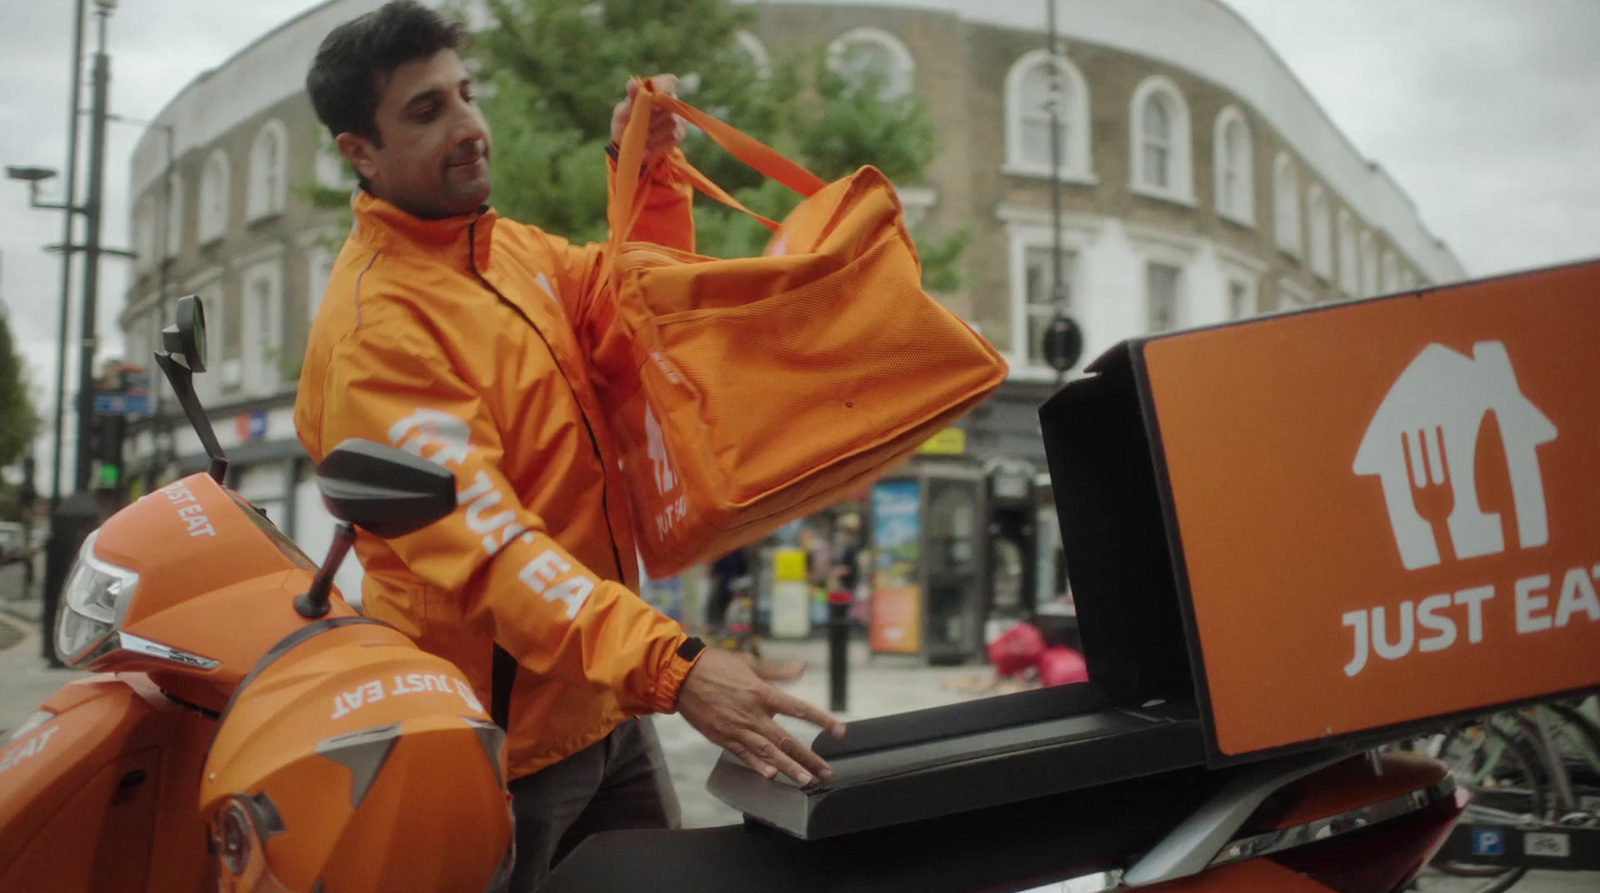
(468, 125)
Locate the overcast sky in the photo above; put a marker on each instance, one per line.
(1486, 112)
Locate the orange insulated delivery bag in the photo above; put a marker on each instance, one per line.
(748, 392)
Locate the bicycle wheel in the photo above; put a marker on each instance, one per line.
(1581, 756)
(1501, 771)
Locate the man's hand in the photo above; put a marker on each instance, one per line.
(666, 131)
(728, 698)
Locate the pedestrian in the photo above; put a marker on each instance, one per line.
(463, 337)
(729, 573)
(847, 549)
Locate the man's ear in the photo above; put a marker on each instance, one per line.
(359, 151)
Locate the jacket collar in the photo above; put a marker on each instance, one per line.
(386, 227)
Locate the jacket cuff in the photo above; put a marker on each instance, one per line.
(664, 697)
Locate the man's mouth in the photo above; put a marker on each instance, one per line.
(474, 157)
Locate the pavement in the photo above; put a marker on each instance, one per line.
(879, 686)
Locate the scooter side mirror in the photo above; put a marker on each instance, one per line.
(183, 354)
(185, 340)
(382, 490)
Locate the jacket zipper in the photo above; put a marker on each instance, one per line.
(594, 444)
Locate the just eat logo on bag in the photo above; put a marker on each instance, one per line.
(667, 481)
(1388, 510)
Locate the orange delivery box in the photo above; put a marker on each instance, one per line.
(1344, 523)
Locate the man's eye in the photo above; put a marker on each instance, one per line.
(469, 94)
(426, 113)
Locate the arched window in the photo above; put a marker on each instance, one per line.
(269, 165)
(1391, 273)
(214, 190)
(1369, 265)
(1286, 204)
(174, 200)
(1160, 141)
(1235, 179)
(873, 56)
(1034, 82)
(1349, 267)
(1321, 234)
(752, 47)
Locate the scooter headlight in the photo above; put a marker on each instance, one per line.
(92, 604)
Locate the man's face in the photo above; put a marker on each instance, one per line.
(434, 161)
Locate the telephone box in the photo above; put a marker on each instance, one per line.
(928, 533)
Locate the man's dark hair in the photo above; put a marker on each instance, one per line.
(347, 76)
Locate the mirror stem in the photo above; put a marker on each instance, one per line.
(314, 604)
(182, 381)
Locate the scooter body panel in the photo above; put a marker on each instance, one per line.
(100, 798)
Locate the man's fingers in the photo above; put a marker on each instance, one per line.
(763, 746)
(744, 752)
(666, 83)
(791, 747)
(789, 705)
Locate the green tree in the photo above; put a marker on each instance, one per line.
(18, 421)
(555, 68)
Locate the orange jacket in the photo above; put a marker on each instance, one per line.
(465, 340)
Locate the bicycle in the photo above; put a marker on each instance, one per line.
(1529, 768)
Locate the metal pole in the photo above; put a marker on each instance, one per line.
(839, 651)
(158, 418)
(1058, 288)
(91, 275)
(66, 253)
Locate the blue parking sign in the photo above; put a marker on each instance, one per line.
(1488, 842)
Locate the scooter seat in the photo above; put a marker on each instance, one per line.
(900, 769)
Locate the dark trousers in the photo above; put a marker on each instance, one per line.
(620, 782)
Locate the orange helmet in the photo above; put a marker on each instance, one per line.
(351, 762)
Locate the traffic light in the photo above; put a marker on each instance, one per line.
(108, 433)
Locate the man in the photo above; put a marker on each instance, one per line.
(729, 574)
(462, 337)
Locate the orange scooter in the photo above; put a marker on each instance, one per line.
(246, 730)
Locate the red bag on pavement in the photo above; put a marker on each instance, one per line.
(1016, 649)
(1061, 665)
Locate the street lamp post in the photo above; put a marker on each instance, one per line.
(66, 253)
(1063, 340)
(101, 76)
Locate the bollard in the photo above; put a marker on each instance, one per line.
(838, 651)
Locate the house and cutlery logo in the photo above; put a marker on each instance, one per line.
(1424, 438)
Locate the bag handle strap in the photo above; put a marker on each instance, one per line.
(763, 159)
(627, 198)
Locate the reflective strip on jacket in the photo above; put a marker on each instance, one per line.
(464, 341)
